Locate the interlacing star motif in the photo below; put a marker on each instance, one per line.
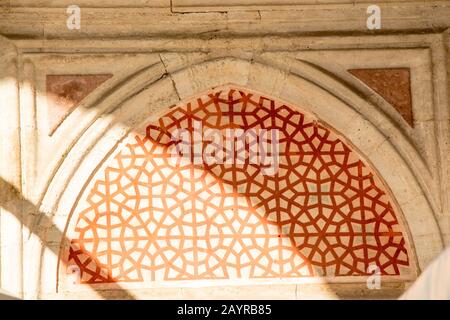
(324, 213)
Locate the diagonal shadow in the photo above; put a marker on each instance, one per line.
(4, 295)
(13, 202)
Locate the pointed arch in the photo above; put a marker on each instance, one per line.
(324, 212)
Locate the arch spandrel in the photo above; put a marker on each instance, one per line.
(325, 213)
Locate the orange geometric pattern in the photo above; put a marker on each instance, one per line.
(324, 213)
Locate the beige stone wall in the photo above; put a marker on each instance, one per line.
(162, 52)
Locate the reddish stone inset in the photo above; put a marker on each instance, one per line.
(393, 85)
(325, 211)
(65, 92)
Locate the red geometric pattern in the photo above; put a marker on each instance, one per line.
(324, 213)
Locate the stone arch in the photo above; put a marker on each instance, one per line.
(319, 211)
(163, 93)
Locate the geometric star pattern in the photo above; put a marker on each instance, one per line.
(323, 213)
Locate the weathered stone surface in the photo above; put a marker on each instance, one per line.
(65, 92)
(143, 19)
(393, 85)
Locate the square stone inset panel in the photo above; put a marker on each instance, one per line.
(65, 92)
